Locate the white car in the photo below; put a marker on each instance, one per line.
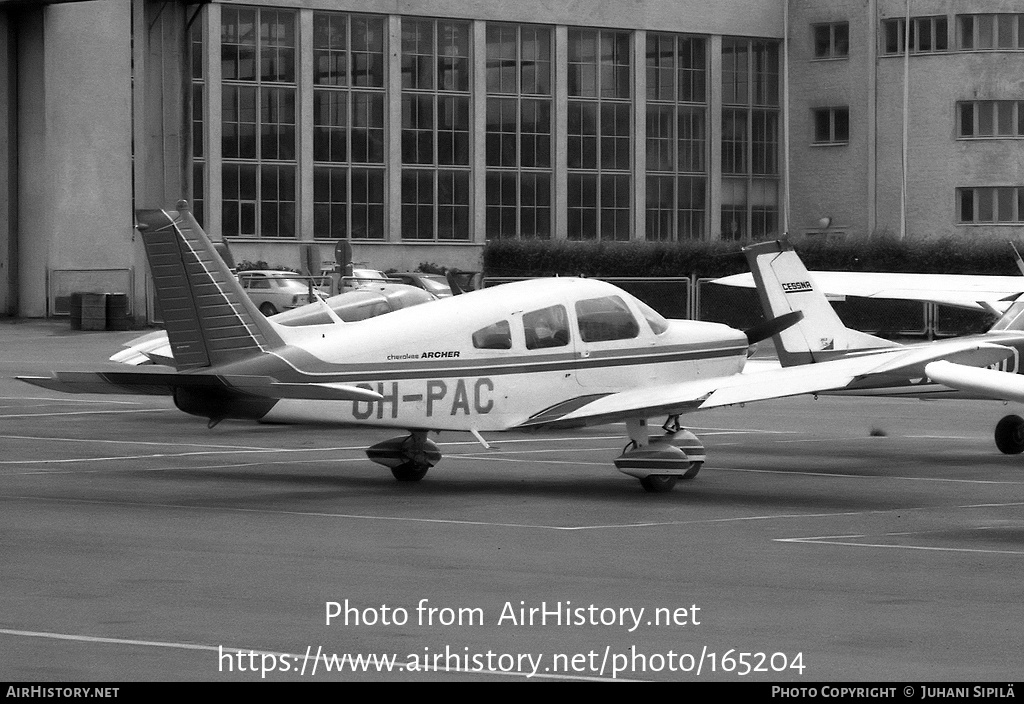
(362, 277)
(277, 291)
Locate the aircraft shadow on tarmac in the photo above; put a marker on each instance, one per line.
(288, 484)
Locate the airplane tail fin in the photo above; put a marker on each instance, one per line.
(1012, 318)
(209, 319)
(784, 286)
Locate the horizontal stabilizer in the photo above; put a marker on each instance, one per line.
(153, 382)
(163, 381)
(314, 392)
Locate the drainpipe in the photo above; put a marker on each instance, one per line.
(785, 119)
(906, 121)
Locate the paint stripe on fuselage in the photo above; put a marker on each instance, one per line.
(303, 367)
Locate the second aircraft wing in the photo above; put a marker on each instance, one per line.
(958, 290)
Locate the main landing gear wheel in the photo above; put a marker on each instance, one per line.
(410, 472)
(659, 483)
(1010, 435)
(692, 471)
(660, 461)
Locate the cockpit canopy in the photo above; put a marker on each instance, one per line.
(599, 319)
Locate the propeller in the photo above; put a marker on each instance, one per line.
(453, 283)
(763, 331)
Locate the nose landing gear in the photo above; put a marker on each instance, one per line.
(407, 457)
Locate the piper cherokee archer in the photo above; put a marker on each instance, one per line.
(560, 352)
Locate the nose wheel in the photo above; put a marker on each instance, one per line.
(407, 457)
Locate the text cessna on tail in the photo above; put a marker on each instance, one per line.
(785, 286)
(547, 352)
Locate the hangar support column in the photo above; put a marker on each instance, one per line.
(9, 169)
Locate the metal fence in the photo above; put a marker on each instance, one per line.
(700, 299)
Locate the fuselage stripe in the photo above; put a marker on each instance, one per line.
(500, 367)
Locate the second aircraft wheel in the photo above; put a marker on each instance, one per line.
(1010, 435)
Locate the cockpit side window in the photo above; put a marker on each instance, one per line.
(654, 319)
(547, 327)
(494, 337)
(606, 318)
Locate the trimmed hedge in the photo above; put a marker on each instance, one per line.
(948, 255)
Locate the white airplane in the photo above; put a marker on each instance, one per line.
(368, 301)
(544, 353)
(989, 293)
(784, 286)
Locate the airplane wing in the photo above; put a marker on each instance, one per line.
(162, 381)
(989, 383)
(764, 384)
(958, 290)
(151, 348)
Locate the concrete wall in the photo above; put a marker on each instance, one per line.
(74, 150)
(8, 168)
(859, 184)
(88, 134)
(938, 162)
(33, 229)
(829, 180)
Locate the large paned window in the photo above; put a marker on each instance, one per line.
(927, 35)
(987, 32)
(980, 119)
(990, 205)
(365, 74)
(197, 133)
(435, 129)
(676, 178)
(599, 135)
(258, 129)
(750, 138)
(348, 126)
(519, 147)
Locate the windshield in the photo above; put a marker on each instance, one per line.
(654, 319)
(435, 286)
(282, 282)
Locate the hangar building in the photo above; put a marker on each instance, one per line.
(418, 131)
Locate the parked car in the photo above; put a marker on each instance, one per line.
(276, 291)
(368, 301)
(434, 283)
(361, 277)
